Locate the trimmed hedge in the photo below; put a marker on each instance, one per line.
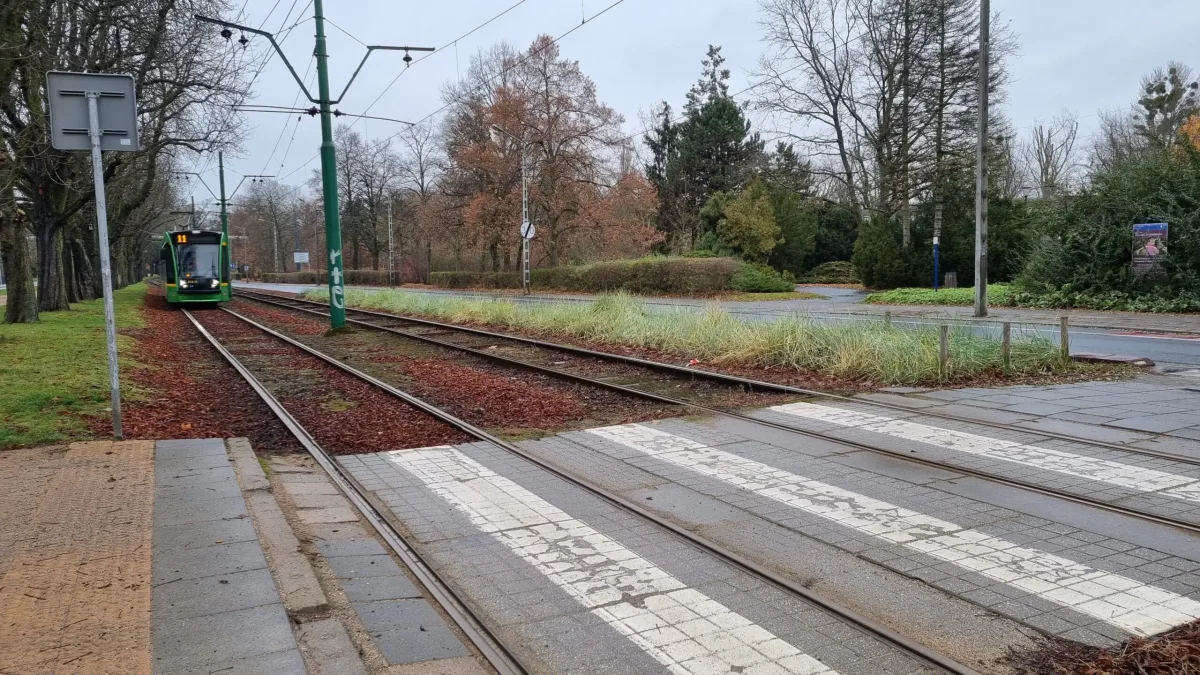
(761, 279)
(353, 277)
(683, 276)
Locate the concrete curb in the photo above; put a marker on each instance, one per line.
(1140, 361)
(298, 585)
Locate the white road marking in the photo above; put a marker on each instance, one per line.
(1091, 468)
(681, 628)
(1120, 601)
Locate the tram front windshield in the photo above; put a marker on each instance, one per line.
(198, 260)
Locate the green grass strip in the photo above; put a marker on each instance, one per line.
(868, 350)
(54, 372)
(998, 294)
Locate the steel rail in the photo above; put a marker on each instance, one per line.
(742, 381)
(736, 560)
(984, 475)
(489, 645)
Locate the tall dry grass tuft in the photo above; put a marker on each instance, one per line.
(855, 349)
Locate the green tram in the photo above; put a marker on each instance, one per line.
(196, 267)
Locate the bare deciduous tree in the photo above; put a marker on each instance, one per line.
(1049, 156)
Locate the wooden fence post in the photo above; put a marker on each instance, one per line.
(1064, 338)
(1006, 346)
(944, 352)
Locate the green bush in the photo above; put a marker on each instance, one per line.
(839, 272)
(1066, 298)
(760, 279)
(647, 276)
(1083, 258)
(998, 295)
(368, 277)
(477, 279)
(880, 258)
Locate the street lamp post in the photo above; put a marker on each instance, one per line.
(527, 230)
(333, 225)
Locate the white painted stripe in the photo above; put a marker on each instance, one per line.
(1118, 600)
(679, 627)
(1091, 468)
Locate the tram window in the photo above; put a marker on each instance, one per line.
(168, 266)
(199, 260)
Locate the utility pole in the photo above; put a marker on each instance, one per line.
(527, 229)
(224, 219)
(391, 249)
(526, 226)
(254, 178)
(981, 178)
(329, 191)
(333, 225)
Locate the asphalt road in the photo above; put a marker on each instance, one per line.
(1172, 353)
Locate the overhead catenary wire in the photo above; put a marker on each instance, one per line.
(348, 33)
(259, 70)
(452, 43)
(283, 131)
(457, 99)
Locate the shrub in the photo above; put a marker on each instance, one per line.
(683, 276)
(368, 277)
(839, 272)
(477, 279)
(760, 279)
(880, 258)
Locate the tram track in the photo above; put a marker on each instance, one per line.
(1139, 514)
(724, 378)
(488, 643)
(489, 646)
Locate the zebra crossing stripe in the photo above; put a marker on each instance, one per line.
(1115, 599)
(1071, 464)
(678, 626)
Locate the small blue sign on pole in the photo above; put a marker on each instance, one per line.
(1149, 248)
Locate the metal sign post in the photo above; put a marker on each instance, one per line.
(110, 99)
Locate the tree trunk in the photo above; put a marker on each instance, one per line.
(21, 306)
(68, 263)
(83, 272)
(91, 248)
(52, 291)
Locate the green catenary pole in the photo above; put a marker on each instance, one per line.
(333, 225)
(225, 257)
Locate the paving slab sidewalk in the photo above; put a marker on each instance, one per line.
(216, 607)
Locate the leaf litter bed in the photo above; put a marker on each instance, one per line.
(510, 400)
(188, 390)
(343, 413)
(1175, 652)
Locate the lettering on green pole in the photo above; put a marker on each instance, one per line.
(336, 291)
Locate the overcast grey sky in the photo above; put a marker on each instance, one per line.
(1082, 55)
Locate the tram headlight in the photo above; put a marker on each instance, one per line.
(214, 283)
(183, 284)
